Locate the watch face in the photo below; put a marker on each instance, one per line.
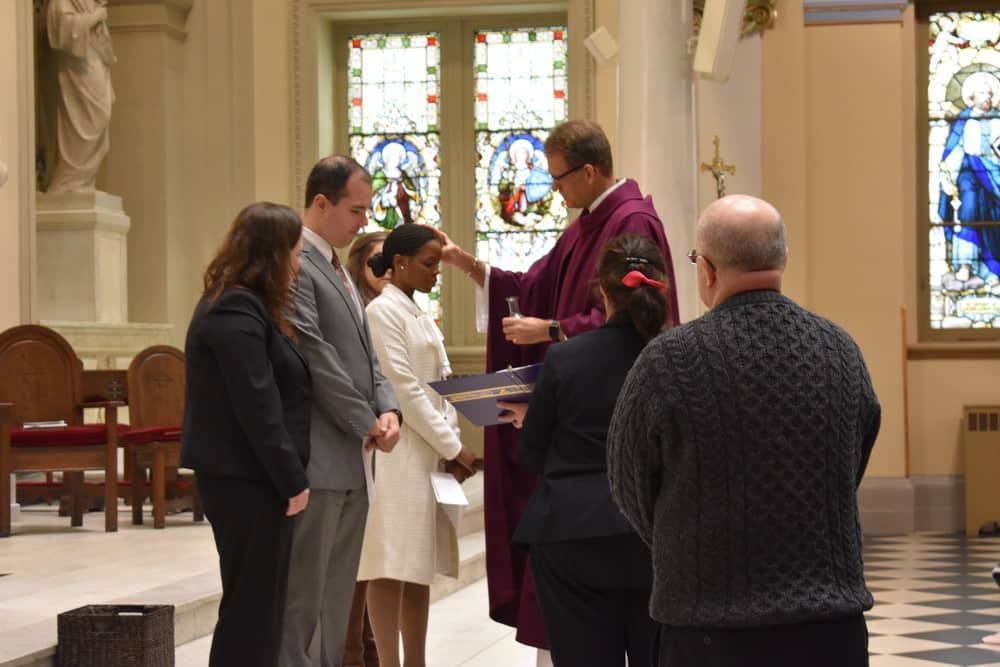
(554, 331)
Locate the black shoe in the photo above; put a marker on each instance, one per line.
(996, 573)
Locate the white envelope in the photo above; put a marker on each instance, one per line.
(450, 496)
(368, 463)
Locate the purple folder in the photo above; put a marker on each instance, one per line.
(476, 396)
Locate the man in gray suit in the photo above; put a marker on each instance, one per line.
(353, 407)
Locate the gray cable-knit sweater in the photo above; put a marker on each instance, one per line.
(736, 449)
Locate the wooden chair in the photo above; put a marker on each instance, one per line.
(96, 386)
(40, 380)
(156, 410)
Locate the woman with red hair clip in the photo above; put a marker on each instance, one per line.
(592, 572)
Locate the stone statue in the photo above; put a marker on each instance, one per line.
(78, 34)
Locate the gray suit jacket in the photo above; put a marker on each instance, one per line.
(349, 390)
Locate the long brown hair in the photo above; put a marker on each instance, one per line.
(645, 306)
(356, 258)
(256, 254)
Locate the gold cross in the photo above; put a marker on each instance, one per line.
(718, 168)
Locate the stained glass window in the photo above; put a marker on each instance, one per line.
(520, 94)
(393, 124)
(963, 95)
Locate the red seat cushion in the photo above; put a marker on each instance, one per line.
(62, 436)
(141, 436)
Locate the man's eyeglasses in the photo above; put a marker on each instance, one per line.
(693, 255)
(556, 179)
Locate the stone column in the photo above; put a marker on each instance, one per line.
(656, 123)
(144, 165)
(17, 154)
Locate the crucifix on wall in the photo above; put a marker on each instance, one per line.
(718, 168)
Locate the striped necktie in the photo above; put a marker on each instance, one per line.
(339, 268)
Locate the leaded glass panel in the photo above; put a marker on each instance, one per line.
(520, 94)
(393, 98)
(963, 95)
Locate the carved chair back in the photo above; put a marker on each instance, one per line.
(40, 374)
(156, 387)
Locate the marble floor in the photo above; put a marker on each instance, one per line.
(46, 567)
(934, 602)
(935, 598)
(459, 633)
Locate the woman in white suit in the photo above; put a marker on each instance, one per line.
(408, 538)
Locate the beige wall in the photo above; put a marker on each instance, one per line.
(783, 137)
(938, 389)
(16, 148)
(832, 163)
(839, 136)
(854, 191)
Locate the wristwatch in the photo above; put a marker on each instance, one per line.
(554, 330)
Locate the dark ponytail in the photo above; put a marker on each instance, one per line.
(645, 304)
(379, 264)
(406, 240)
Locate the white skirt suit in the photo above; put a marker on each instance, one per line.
(407, 537)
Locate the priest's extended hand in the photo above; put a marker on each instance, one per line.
(525, 330)
(450, 252)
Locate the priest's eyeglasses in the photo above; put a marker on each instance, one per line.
(556, 179)
(693, 255)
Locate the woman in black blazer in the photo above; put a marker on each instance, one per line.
(246, 426)
(593, 575)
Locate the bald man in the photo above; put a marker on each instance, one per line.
(736, 449)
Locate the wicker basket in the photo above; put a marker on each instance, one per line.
(116, 636)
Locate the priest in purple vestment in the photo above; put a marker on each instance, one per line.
(559, 299)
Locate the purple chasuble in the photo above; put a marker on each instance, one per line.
(562, 285)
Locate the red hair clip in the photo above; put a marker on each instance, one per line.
(633, 279)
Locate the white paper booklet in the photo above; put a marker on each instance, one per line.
(450, 496)
(56, 423)
(368, 463)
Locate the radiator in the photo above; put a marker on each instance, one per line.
(981, 440)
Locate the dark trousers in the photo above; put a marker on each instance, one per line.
(838, 643)
(594, 599)
(254, 540)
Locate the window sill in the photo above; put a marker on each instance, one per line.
(952, 351)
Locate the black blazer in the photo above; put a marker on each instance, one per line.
(565, 434)
(247, 407)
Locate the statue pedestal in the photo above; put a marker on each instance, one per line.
(82, 257)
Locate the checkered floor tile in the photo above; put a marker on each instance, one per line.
(935, 600)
